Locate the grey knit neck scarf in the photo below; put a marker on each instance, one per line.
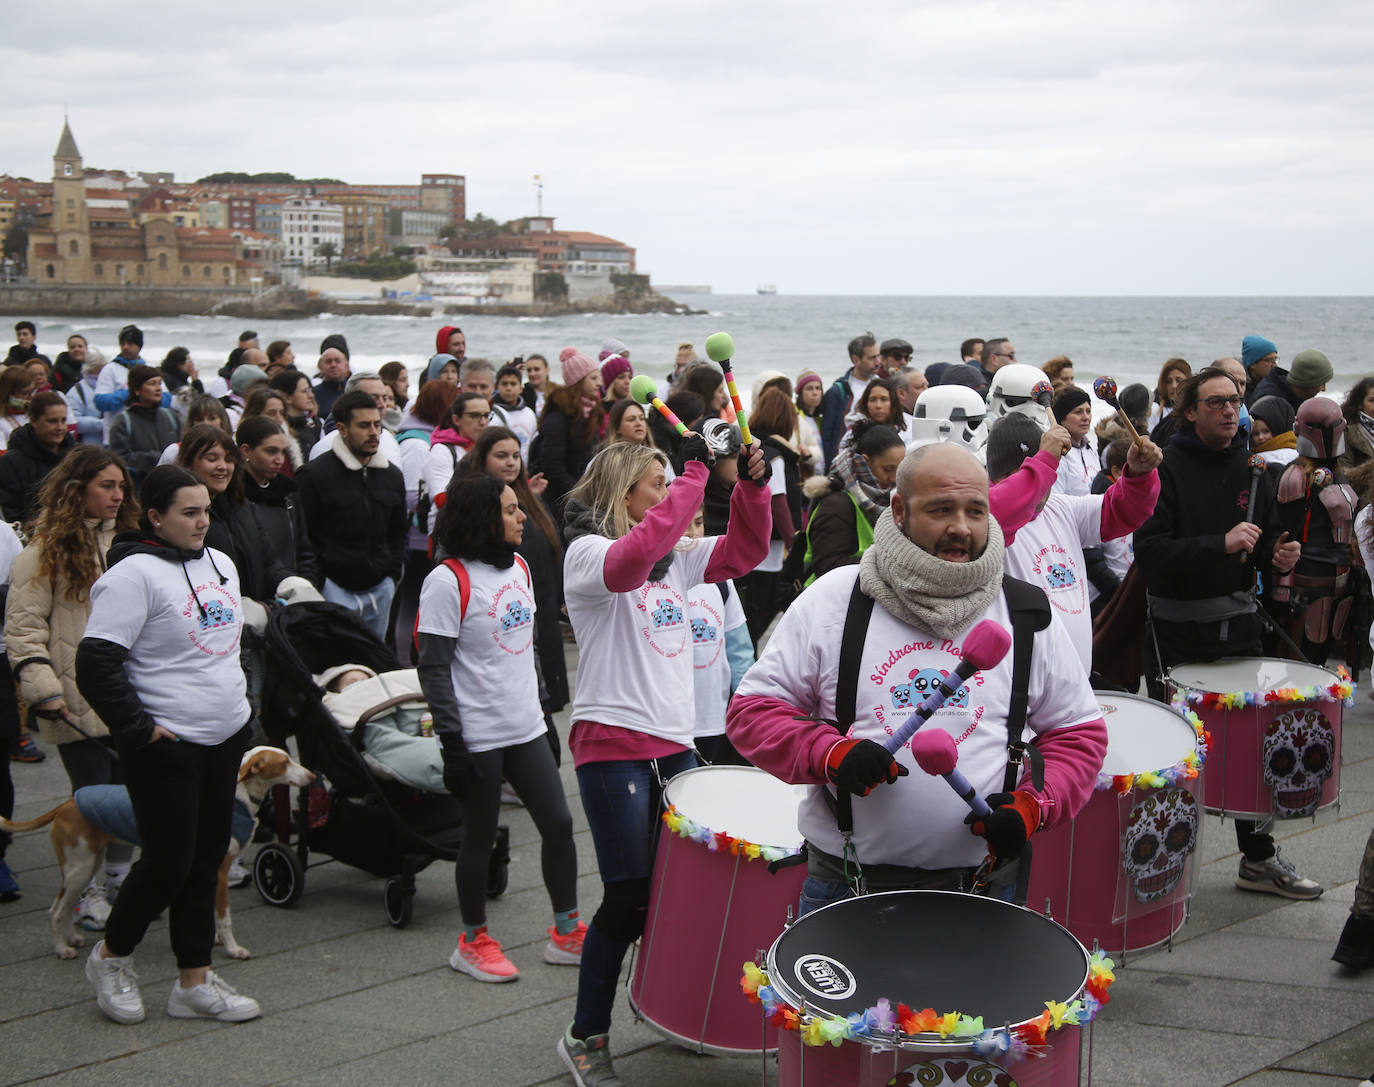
(926, 592)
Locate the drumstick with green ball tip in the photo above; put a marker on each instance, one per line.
(644, 392)
(720, 348)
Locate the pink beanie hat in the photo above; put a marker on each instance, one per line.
(613, 367)
(576, 365)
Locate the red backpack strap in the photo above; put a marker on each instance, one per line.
(464, 595)
(529, 581)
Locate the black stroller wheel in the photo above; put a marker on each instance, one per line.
(399, 901)
(279, 875)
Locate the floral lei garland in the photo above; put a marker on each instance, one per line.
(1186, 769)
(720, 842)
(1343, 690)
(883, 1023)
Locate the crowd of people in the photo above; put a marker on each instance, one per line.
(741, 604)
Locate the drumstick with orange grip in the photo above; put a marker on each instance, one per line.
(720, 348)
(644, 392)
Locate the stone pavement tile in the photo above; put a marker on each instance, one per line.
(1271, 1077)
(1319, 920)
(1233, 1007)
(1217, 903)
(1350, 1053)
(1127, 1053)
(1240, 956)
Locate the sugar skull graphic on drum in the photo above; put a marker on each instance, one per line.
(1276, 733)
(1121, 873)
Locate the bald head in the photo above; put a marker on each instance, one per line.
(253, 356)
(941, 502)
(1234, 368)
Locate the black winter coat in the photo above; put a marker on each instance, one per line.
(564, 453)
(24, 468)
(283, 518)
(236, 529)
(356, 515)
(139, 434)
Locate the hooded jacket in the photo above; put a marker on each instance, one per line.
(42, 630)
(279, 510)
(24, 468)
(356, 516)
(1203, 493)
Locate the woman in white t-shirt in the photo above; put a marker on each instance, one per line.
(449, 442)
(626, 583)
(159, 663)
(479, 673)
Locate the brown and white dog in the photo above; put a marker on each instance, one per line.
(80, 847)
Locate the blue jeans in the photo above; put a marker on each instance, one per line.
(374, 604)
(621, 800)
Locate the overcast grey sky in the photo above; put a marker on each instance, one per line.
(845, 148)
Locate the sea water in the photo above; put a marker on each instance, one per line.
(1128, 339)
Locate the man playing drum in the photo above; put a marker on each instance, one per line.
(1215, 525)
(935, 570)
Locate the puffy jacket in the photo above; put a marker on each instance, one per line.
(356, 515)
(564, 453)
(24, 468)
(237, 530)
(279, 509)
(139, 434)
(42, 630)
(90, 422)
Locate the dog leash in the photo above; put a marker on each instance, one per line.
(58, 715)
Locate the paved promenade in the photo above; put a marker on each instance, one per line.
(1248, 994)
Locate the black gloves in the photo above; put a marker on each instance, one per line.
(856, 766)
(762, 481)
(1015, 817)
(694, 447)
(459, 768)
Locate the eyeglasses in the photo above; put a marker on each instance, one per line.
(1006, 354)
(477, 415)
(1216, 403)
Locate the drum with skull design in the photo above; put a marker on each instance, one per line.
(1276, 734)
(1121, 872)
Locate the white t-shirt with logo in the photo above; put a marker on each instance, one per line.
(710, 619)
(493, 671)
(635, 665)
(777, 485)
(183, 644)
(440, 464)
(520, 421)
(918, 821)
(1048, 552)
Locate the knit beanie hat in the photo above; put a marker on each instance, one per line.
(140, 376)
(1310, 368)
(1253, 348)
(335, 341)
(576, 365)
(935, 371)
(131, 334)
(612, 347)
(1275, 412)
(1068, 400)
(963, 374)
(1134, 400)
(1013, 438)
(244, 376)
(805, 378)
(612, 367)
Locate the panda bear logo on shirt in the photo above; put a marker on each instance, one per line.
(216, 615)
(666, 614)
(664, 625)
(702, 632)
(1059, 576)
(920, 683)
(511, 608)
(517, 615)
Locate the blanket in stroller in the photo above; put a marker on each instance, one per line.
(397, 738)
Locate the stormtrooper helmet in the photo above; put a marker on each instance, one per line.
(1023, 388)
(949, 413)
(723, 438)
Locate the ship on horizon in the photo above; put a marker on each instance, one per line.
(767, 288)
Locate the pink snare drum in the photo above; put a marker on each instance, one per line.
(1276, 748)
(711, 909)
(928, 949)
(1121, 872)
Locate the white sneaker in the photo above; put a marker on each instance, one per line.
(238, 875)
(214, 999)
(116, 986)
(94, 908)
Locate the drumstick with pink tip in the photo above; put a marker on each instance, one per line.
(984, 647)
(644, 392)
(720, 348)
(1104, 388)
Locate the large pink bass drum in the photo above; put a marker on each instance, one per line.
(935, 950)
(712, 906)
(1121, 873)
(1276, 734)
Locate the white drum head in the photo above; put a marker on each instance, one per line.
(741, 801)
(1142, 735)
(1249, 674)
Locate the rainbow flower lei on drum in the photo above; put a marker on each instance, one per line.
(1343, 690)
(720, 842)
(892, 1025)
(1186, 769)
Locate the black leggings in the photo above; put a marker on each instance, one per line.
(91, 762)
(183, 798)
(531, 770)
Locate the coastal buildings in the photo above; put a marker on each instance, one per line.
(307, 226)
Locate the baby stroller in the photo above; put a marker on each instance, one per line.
(353, 813)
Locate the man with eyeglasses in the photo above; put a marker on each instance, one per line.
(1200, 553)
(893, 355)
(996, 354)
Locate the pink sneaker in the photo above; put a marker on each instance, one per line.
(565, 949)
(483, 959)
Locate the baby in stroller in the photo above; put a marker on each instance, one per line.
(398, 741)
